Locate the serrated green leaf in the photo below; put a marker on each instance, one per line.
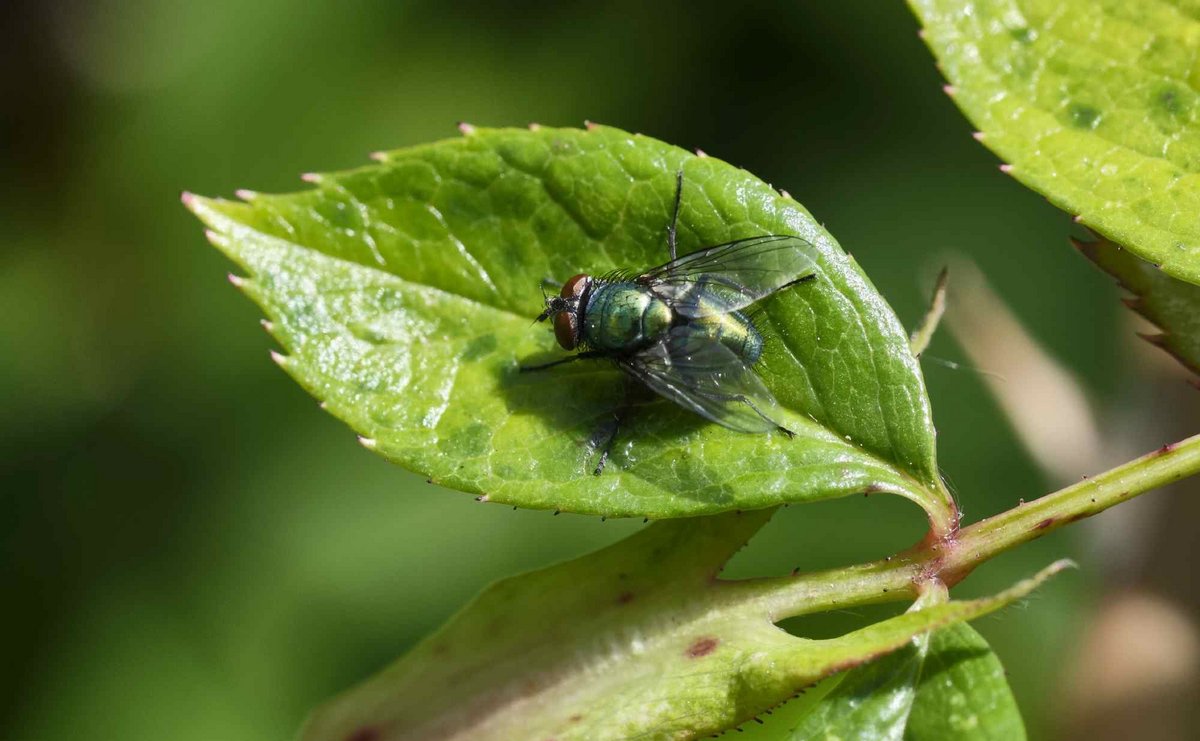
(1171, 304)
(964, 692)
(404, 294)
(946, 684)
(1094, 104)
(639, 640)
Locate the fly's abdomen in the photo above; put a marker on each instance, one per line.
(735, 331)
(621, 317)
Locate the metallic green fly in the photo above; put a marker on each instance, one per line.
(680, 328)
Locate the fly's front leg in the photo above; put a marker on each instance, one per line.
(586, 355)
(675, 214)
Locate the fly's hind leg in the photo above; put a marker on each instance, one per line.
(750, 403)
(743, 399)
(805, 279)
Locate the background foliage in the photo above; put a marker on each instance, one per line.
(196, 552)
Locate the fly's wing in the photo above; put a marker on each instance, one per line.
(731, 276)
(704, 376)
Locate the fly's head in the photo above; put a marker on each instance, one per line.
(566, 310)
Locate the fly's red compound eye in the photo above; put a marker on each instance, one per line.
(565, 331)
(573, 288)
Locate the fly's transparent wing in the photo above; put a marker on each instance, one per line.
(704, 376)
(731, 276)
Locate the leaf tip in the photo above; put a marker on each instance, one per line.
(311, 177)
(978, 136)
(188, 199)
(465, 128)
(237, 280)
(950, 90)
(369, 443)
(482, 498)
(279, 358)
(590, 125)
(245, 194)
(379, 156)
(267, 324)
(1006, 168)
(784, 193)
(1058, 566)
(700, 153)
(535, 126)
(1077, 218)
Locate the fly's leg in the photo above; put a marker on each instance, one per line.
(586, 355)
(551, 283)
(606, 434)
(746, 400)
(675, 214)
(603, 438)
(750, 403)
(798, 281)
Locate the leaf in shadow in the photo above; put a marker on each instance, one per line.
(639, 640)
(1173, 305)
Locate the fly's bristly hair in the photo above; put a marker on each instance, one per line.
(620, 275)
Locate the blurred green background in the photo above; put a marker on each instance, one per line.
(193, 550)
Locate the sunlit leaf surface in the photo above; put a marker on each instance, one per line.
(948, 684)
(1093, 103)
(404, 294)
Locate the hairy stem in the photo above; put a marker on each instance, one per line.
(994, 535)
(950, 559)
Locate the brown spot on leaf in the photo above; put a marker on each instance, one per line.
(702, 647)
(1044, 524)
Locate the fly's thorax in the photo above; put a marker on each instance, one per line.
(735, 331)
(621, 317)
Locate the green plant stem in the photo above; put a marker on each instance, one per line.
(951, 558)
(994, 535)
